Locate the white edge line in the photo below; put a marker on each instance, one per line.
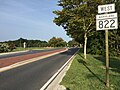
(55, 75)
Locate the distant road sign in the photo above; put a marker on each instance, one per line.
(106, 21)
(106, 8)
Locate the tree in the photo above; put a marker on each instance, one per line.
(73, 43)
(11, 46)
(52, 42)
(77, 17)
(114, 35)
(97, 43)
(29, 43)
(114, 42)
(4, 47)
(57, 42)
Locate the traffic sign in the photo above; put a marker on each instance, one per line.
(106, 8)
(106, 21)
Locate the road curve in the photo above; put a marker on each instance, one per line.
(33, 75)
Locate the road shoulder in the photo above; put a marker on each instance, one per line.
(54, 82)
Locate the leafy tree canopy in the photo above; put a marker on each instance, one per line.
(57, 42)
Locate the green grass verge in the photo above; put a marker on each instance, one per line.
(91, 76)
(31, 48)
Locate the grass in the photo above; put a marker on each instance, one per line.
(91, 75)
(31, 48)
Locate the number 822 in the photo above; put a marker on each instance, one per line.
(106, 24)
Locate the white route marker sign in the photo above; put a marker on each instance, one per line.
(106, 8)
(106, 21)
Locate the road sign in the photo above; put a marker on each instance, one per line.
(106, 21)
(106, 8)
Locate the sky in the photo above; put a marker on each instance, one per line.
(29, 19)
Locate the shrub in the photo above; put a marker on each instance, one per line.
(4, 47)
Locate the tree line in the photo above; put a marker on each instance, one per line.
(78, 18)
(53, 42)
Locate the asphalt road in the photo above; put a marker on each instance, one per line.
(25, 53)
(33, 75)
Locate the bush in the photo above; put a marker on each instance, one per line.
(4, 47)
(11, 46)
